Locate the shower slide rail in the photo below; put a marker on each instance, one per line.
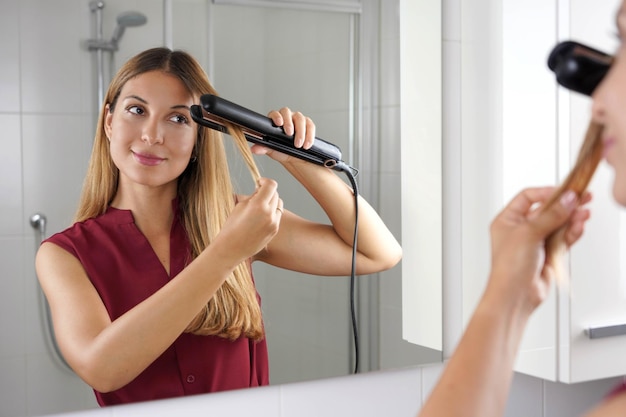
(38, 222)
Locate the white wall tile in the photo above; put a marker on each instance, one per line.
(11, 222)
(35, 321)
(333, 126)
(50, 30)
(430, 377)
(312, 51)
(138, 38)
(575, 399)
(294, 361)
(52, 389)
(13, 386)
(389, 154)
(390, 72)
(523, 388)
(236, 81)
(12, 310)
(10, 63)
(56, 151)
(316, 343)
(190, 29)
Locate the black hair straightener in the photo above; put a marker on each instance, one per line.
(579, 67)
(213, 110)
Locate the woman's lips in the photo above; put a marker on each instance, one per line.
(147, 159)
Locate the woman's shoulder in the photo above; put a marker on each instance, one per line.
(96, 227)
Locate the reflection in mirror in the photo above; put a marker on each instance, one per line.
(347, 81)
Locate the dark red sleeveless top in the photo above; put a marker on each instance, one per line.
(125, 270)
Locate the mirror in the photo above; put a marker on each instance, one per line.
(341, 72)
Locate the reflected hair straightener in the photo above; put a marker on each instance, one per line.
(214, 110)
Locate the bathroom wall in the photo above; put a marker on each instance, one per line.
(46, 114)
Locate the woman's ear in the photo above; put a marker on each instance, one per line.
(108, 119)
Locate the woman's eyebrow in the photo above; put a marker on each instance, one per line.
(136, 98)
(177, 106)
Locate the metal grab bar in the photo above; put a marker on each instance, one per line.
(38, 222)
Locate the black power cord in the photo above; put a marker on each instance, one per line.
(351, 173)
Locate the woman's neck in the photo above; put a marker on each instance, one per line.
(151, 206)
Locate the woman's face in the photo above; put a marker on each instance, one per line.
(609, 109)
(151, 133)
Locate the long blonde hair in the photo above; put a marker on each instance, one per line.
(205, 194)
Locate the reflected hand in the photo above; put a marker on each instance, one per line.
(254, 221)
(518, 233)
(293, 123)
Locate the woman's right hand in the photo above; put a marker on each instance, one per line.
(253, 222)
(519, 270)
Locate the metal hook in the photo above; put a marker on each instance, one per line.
(38, 222)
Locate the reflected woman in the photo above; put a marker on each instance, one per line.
(151, 291)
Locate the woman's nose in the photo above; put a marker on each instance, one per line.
(151, 133)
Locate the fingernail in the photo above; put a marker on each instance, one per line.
(568, 199)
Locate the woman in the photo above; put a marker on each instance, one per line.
(151, 291)
(477, 378)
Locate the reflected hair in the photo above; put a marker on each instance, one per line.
(578, 179)
(205, 193)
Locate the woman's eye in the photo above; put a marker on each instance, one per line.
(135, 110)
(179, 118)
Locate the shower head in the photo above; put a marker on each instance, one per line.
(124, 20)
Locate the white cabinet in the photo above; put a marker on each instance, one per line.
(421, 160)
(543, 127)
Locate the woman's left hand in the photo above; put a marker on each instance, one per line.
(293, 123)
